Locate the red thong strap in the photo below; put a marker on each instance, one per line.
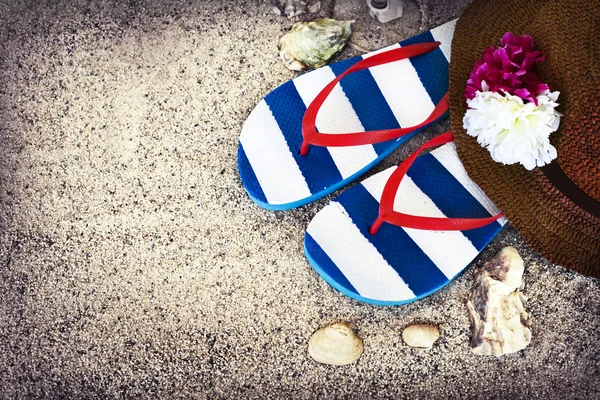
(387, 214)
(309, 131)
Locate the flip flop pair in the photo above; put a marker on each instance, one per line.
(322, 130)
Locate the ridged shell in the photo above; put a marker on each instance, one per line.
(335, 344)
(421, 336)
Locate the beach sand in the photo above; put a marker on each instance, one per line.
(133, 263)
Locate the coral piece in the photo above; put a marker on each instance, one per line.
(500, 323)
(421, 336)
(335, 344)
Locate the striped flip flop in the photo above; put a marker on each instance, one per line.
(399, 96)
(363, 245)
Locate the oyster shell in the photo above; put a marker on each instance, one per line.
(312, 44)
(421, 336)
(500, 323)
(335, 344)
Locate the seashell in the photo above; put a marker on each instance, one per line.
(313, 44)
(293, 8)
(500, 323)
(335, 344)
(421, 336)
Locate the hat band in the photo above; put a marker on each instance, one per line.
(565, 185)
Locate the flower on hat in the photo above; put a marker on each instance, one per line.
(510, 110)
(508, 69)
(514, 131)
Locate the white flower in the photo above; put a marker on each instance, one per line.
(514, 131)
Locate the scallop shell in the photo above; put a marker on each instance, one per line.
(421, 336)
(335, 344)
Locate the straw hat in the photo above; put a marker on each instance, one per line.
(556, 208)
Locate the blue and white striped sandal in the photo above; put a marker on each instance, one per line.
(401, 96)
(369, 243)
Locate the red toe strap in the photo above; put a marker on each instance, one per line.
(309, 131)
(386, 206)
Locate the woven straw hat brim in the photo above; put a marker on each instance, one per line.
(568, 33)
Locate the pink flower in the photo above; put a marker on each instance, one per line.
(508, 69)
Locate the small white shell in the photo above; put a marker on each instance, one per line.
(335, 344)
(420, 335)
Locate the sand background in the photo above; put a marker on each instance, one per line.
(134, 265)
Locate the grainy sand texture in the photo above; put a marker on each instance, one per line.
(134, 265)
